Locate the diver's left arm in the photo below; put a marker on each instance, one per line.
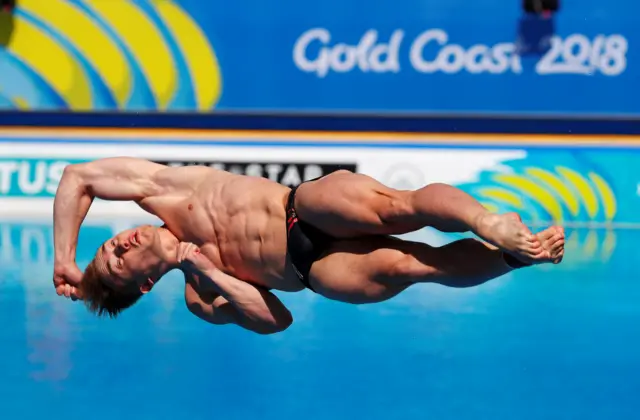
(223, 299)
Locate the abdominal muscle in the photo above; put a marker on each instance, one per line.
(239, 224)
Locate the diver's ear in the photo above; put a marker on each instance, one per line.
(146, 286)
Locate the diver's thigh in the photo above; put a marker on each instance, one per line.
(350, 271)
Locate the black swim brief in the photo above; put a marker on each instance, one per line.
(305, 243)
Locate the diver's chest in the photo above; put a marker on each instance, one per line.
(190, 222)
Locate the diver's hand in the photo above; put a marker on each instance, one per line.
(190, 258)
(66, 280)
(69, 292)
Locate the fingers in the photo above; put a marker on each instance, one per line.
(69, 292)
(184, 253)
(185, 250)
(188, 251)
(182, 247)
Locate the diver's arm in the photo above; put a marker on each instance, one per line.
(221, 299)
(119, 178)
(109, 179)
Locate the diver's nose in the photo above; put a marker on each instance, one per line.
(123, 246)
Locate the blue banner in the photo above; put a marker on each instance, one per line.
(31, 177)
(329, 56)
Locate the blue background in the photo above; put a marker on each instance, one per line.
(254, 43)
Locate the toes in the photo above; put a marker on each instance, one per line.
(532, 249)
(557, 251)
(537, 254)
(558, 258)
(535, 243)
(559, 230)
(545, 234)
(544, 237)
(559, 242)
(549, 250)
(555, 239)
(542, 255)
(549, 237)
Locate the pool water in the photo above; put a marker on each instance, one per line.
(557, 342)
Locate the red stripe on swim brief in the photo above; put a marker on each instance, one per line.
(292, 222)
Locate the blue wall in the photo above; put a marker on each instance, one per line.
(330, 56)
(454, 56)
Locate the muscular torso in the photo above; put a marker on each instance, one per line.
(238, 222)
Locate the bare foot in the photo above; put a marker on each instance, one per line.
(507, 232)
(552, 240)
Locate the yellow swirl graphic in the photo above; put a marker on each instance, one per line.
(584, 189)
(597, 244)
(590, 246)
(196, 49)
(572, 242)
(55, 64)
(606, 195)
(608, 245)
(21, 103)
(503, 195)
(103, 54)
(530, 188)
(555, 183)
(559, 194)
(94, 44)
(146, 44)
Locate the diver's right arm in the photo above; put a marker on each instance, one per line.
(120, 178)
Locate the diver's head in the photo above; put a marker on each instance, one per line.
(126, 267)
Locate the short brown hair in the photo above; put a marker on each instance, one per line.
(102, 299)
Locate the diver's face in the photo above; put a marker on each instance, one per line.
(132, 258)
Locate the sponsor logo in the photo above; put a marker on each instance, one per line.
(557, 189)
(286, 173)
(107, 52)
(40, 177)
(31, 177)
(434, 51)
(547, 191)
